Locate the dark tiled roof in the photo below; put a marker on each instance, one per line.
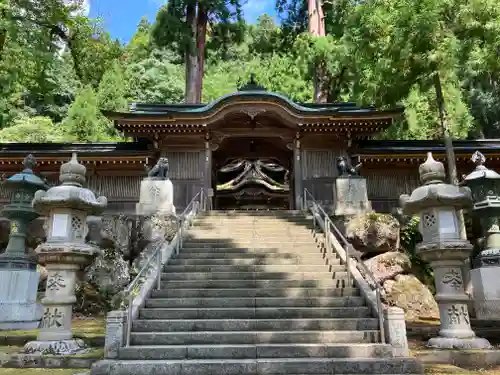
(344, 108)
(420, 146)
(52, 149)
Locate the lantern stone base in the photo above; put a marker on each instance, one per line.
(61, 347)
(458, 343)
(350, 196)
(18, 307)
(156, 197)
(486, 290)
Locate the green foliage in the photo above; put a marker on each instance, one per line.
(112, 90)
(156, 79)
(409, 237)
(32, 130)
(92, 49)
(379, 52)
(84, 122)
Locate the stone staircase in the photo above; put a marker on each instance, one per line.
(255, 293)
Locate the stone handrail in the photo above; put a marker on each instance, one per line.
(393, 325)
(118, 322)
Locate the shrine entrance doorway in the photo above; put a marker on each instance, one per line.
(253, 173)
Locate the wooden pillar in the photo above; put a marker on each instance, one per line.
(297, 174)
(207, 186)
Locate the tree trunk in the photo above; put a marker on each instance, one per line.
(201, 39)
(445, 130)
(321, 85)
(191, 56)
(448, 144)
(3, 38)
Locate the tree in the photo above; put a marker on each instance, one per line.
(265, 36)
(112, 89)
(186, 22)
(156, 79)
(92, 49)
(85, 122)
(32, 130)
(140, 45)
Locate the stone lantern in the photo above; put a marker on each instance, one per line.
(64, 254)
(485, 186)
(438, 204)
(18, 275)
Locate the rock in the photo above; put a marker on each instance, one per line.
(410, 294)
(373, 233)
(388, 265)
(43, 273)
(109, 272)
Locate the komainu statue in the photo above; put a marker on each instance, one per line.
(160, 171)
(345, 168)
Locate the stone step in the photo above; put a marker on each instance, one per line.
(275, 366)
(254, 275)
(255, 292)
(251, 351)
(271, 227)
(253, 337)
(208, 254)
(340, 324)
(254, 268)
(257, 249)
(313, 260)
(225, 244)
(258, 225)
(254, 302)
(255, 313)
(246, 284)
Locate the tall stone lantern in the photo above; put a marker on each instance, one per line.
(485, 186)
(438, 203)
(64, 254)
(18, 275)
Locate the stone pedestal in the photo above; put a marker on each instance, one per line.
(18, 307)
(64, 254)
(486, 296)
(456, 331)
(350, 196)
(395, 331)
(156, 197)
(438, 204)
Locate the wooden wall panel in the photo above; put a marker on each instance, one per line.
(184, 192)
(187, 169)
(185, 165)
(390, 183)
(319, 172)
(319, 163)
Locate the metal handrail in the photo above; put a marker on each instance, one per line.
(374, 284)
(193, 206)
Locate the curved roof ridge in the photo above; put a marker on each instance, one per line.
(200, 108)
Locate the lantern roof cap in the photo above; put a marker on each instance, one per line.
(481, 171)
(72, 172)
(27, 176)
(434, 192)
(432, 171)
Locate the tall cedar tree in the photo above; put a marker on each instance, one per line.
(183, 25)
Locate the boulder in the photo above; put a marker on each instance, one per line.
(410, 294)
(373, 233)
(109, 272)
(388, 265)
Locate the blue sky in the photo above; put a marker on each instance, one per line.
(122, 16)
